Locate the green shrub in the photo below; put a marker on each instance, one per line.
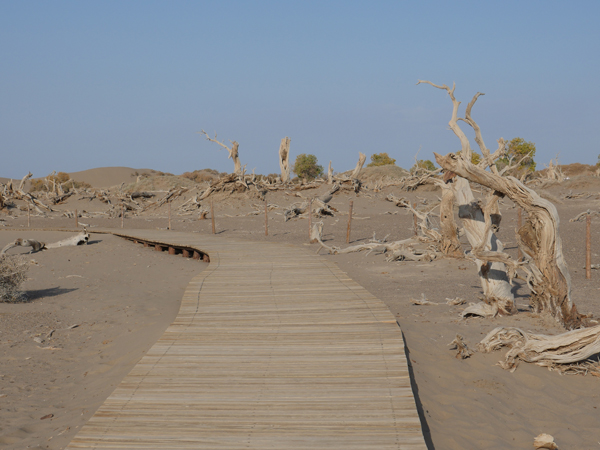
(519, 150)
(422, 164)
(306, 166)
(381, 159)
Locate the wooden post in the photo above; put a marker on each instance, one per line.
(519, 223)
(122, 215)
(212, 215)
(349, 222)
(266, 218)
(28, 216)
(416, 227)
(169, 227)
(309, 218)
(588, 246)
(76, 220)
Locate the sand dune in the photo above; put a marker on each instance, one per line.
(109, 176)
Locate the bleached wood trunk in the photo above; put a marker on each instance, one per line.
(539, 240)
(284, 159)
(450, 245)
(359, 165)
(497, 289)
(330, 174)
(233, 154)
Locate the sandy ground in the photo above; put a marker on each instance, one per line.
(93, 312)
(465, 404)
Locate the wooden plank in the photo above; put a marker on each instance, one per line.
(272, 348)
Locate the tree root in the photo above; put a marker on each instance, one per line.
(569, 352)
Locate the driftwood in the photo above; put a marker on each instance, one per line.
(581, 216)
(284, 159)
(404, 250)
(567, 353)
(233, 151)
(544, 441)
(36, 246)
(79, 239)
(359, 165)
(462, 351)
(295, 210)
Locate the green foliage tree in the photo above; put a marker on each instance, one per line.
(475, 157)
(381, 159)
(422, 164)
(521, 152)
(306, 166)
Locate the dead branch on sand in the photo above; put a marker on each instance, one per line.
(569, 352)
(36, 246)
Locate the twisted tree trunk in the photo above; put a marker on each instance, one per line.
(539, 240)
(284, 159)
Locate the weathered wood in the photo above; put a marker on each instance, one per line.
(259, 358)
(233, 151)
(487, 250)
(284, 159)
(359, 165)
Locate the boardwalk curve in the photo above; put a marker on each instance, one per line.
(272, 348)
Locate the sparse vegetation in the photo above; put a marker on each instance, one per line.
(519, 151)
(422, 164)
(381, 159)
(306, 166)
(13, 272)
(61, 178)
(200, 176)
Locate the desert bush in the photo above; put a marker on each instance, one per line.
(422, 164)
(13, 272)
(381, 159)
(475, 157)
(519, 150)
(62, 178)
(306, 166)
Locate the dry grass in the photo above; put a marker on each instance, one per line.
(13, 272)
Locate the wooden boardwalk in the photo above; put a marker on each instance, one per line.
(273, 348)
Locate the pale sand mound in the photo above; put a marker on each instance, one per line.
(104, 177)
(159, 183)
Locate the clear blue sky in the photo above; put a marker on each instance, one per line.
(130, 83)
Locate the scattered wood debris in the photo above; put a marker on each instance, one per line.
(463, 352)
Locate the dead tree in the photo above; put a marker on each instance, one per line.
(233, 151)
(330, 174)
(359, 165)
(547, 273)
(284, 159)
(479, 222)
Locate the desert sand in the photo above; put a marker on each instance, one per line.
(121, 296)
